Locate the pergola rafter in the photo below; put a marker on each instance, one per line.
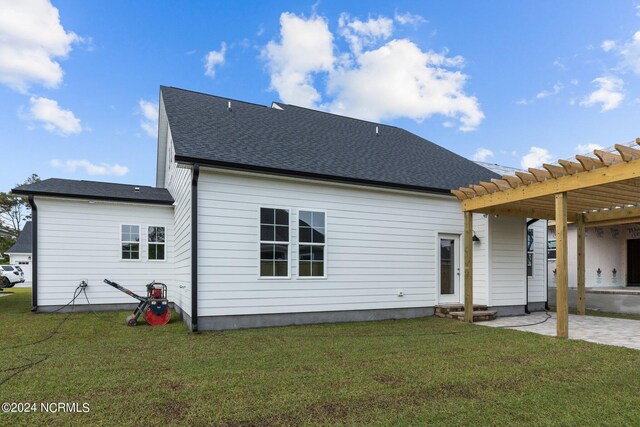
(602, 189)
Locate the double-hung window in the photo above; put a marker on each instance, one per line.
(130, 238)
(274, 242)
(312, 244)
(156, 243)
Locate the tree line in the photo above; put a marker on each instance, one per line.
(14, 212)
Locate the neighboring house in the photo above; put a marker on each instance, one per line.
(275, 216)
(612, 256)
(20, 252)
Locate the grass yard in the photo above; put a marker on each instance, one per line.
(409, 372)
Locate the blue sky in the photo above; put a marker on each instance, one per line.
(515, 83)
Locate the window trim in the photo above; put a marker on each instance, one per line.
(530, 252)
(139, 242)
(157, 243)
(325, 244)
(260, 242)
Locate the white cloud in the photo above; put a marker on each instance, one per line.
(629, 52)
(609, 94)
(213, 59)
(608, 45)
(535, 158)
(558, 64)
(149, 122)
(400, 80)
(53, 118)
(32, 40)
(397, 79)
(90, 168)
(587, 148)
(305, 49)
(364, 33)
(482, 154)
(556, 89)
(409, 19)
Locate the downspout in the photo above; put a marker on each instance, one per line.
(34, 254)
(526, 255)
(194, 247)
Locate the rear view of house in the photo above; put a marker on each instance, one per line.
(278, 215)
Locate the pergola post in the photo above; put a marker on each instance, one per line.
(468, 267)
(581, 267)
(562, 290)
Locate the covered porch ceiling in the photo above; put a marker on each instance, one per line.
(594, 190)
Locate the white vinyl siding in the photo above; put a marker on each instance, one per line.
(178, 182)
(508, 267)
(81, 240)
(380, 243)
(480, 261)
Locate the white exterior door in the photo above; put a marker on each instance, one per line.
(448, 268)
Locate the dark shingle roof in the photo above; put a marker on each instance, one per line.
(97, 191)
(23, 242)
(305, 142)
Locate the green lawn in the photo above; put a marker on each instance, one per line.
(410, 372)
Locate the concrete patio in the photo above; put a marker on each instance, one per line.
(600, 330)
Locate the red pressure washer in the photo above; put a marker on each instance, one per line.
(154, 308)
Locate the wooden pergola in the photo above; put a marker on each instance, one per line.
(591, 191)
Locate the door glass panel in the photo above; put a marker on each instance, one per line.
(447, 267)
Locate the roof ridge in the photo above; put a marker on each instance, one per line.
(337, 115)
(98, 182)
(217, 96)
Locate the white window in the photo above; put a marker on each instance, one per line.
(130, 237)
(311, 244)
(274, 242)
(156, 243)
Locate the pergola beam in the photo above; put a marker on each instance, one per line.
(591, 191)
(525, 213)
(591, 219)
(614, 173)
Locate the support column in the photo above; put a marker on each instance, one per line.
(581, 271)
(562, 277)
(468, 267)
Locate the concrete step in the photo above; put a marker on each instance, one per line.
(448, 308)
(478, 315)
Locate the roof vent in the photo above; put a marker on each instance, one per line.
(377, 131)
(136, 189)
(229, 106)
